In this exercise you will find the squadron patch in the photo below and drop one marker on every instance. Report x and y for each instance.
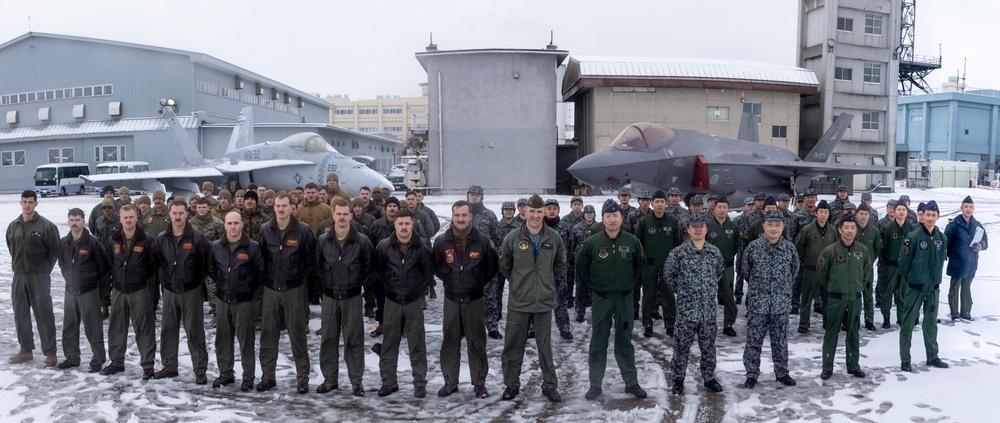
(523, 245)
(652, 231)
(449, 256)
(713, 235)
(841, 258)
(84, 252)
(895, 235)
(475, 254)
(292, 243)
(923, 244)
(137, 250)
(906, 249)
(815, 238)
(118, 249)
(188, 246)
(602, 253)
(242, 256)
(821, 262)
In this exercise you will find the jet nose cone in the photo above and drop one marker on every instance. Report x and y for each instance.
(595, 170)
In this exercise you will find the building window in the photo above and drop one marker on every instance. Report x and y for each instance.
(873, 73)
(61, 155)
(917, 118)
(343, 112)
(718, 113)
(873, 24)
(869, 121)
(779, 131)
(845, 24)
(843, 74)
(756, 109)
(368, 112)
(392, 111)
(109, 153)
(12, 158)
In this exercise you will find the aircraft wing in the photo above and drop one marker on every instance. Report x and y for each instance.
(248, 165)
(113, 178)
(829, 168)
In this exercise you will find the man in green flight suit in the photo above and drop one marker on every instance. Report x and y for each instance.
(843, 269)
(871, 236)
(810, 242)
(611, 262)
(921, 262)
(724, 234)
(893, 234)
(659, 233)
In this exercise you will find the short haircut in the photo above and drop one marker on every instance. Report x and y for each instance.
(29, 194)
(298, 189)
(76, 211)
(180, 203)
(404, 213)
(281, 195)
(340, 202)
(204, 201)
(364, 188)
(461, 203)
(418, 191)
(129, 207)
(411, 192)
(252, 186)
(312, 185)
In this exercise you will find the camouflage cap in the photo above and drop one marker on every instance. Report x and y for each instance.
(760, 196)
(575, 199)
(552, 202)
(784, 197)
(891, 203)
(699, 218)
(800, 198)
(810, 191)
(475, 189)
(674, 191)
(625, 191)
(866, 196)
(697, 200)
(522, 201)
(588, 209)
(850, 206)
(535, 202)
(507, 205)
(842, 187)
(747, 201)
(904, 197)
(644, 194)
(773, 215)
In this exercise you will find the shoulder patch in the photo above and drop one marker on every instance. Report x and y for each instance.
(822, 261)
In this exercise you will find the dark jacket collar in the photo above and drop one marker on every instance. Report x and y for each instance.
(84, 239)
(119, 236)
(352, 234)
(293, 223)
(414, 239)
(474, 234)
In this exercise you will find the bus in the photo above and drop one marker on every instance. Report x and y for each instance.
(60, 178)
(108, 168)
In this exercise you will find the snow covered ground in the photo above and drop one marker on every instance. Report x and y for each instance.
(31, 392)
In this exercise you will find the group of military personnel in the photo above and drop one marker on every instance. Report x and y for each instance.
(262, 258)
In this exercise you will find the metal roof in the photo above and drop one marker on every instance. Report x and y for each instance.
(102, 127)
(692, 68)
(312, 125)
(196, 57)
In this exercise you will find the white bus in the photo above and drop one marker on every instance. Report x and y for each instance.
(60, 178)
(108, 168)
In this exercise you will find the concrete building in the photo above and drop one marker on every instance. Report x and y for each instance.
(850, 45)
(956, 126)
(706, 95)
(492, 116)
(392, 116)
(74, 99)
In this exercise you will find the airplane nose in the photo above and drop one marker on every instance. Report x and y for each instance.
(595, 170)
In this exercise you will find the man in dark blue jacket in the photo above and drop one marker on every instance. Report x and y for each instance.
(966, 238)
(184, 263)
(404, 263)
(238, 270)
(83, 261)
(465, 260)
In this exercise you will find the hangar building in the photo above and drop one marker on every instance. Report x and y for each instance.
(957, 126)
(75, 99)
(706, 95)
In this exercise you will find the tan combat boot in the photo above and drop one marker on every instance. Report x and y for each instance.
(50, 360)
(21, 357)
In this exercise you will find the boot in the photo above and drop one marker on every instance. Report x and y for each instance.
(378, 331)
(21, 357)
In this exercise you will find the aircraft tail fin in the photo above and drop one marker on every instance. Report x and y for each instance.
(748, 128)
(243, 131)
(824, 147)
(184, 148)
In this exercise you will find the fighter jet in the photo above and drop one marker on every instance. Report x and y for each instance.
(651, 156)
(286, 164)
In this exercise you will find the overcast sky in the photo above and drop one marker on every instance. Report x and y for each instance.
(366, 48)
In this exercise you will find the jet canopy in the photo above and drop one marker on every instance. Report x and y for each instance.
(308, 142)
(643, 135)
